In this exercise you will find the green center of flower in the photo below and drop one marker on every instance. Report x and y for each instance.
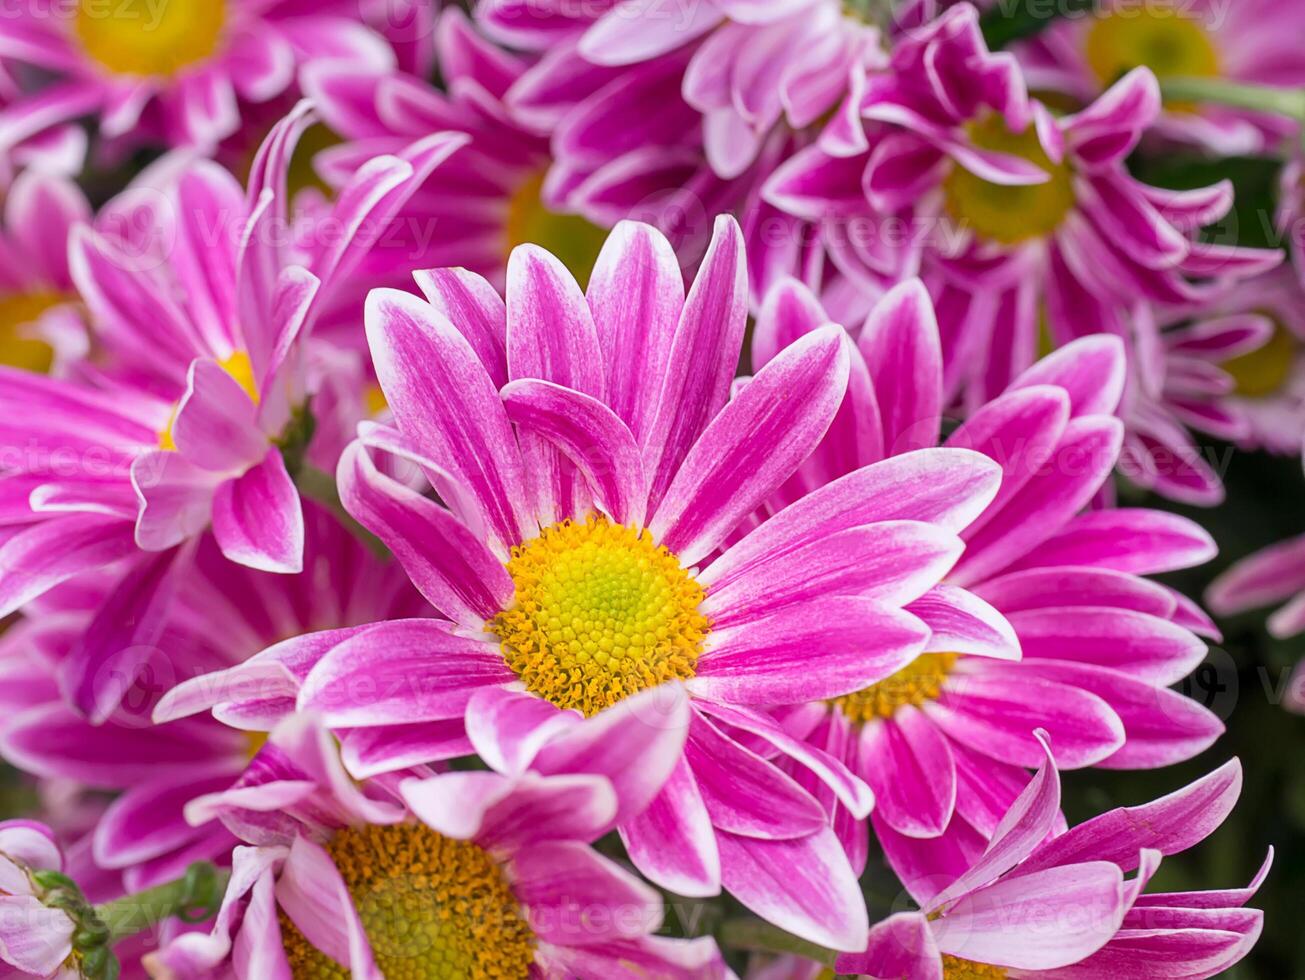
(1159, 35)
(149, 37)
(433, 909)
(955, 968)
(1006, 214)
(1263, 372)
(571, 238)
(917, 683)
(19, 347)
(599, 613)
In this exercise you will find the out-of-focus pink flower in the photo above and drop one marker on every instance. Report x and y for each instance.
(35, 940)
(1249, 41)
(174, 73)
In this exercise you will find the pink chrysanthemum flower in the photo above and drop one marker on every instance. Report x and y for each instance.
(1044, 622)
(40, 211)
(1023, 224)
(587, 548)
(1249, 41)
(1044, 905)
(222, 614)
(175, 72)
(476, 874)
(35, 940)
(749, 65)
(206, 314)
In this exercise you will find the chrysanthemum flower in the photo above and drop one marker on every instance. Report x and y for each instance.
(1038, 904)
(945, 742)
(1023, 224)
(208, 312)
(484, 874)
(40, 211)
(749, 65)
(35, 940)
(173, 72)
(1249, 41)
(222, 614)
(587, 548)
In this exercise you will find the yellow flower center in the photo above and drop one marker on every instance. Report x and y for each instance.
(1005, 214)
(18, 346)
(433, 909)
(1159, 35)
(149, 37)
(571, 238)
(955, 968)
(600, 612)
(239, 367)
(918, 682)
(1261, 373)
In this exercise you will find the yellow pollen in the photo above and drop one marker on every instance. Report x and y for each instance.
(600, 612)
(433, 909)
(374, 399)
(254, 742)
(1160, 35)
(955, 968)
(149, 38)
(571, 238)
(918, 682)
(19, 346)
(1261, 373)
(239, 367)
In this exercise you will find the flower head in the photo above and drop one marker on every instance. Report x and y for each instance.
(485, 873)
(36, 938)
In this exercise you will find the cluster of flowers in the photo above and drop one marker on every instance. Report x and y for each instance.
(669, 458)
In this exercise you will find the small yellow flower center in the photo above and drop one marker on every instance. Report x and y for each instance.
(955, 968)
(149, 37)
(254, 742)
(571, 238)
(239, 367)
(918, 682)
(1263, 372)
(600, 612)
(1005, 214)
(1159, 35)
(19, 346)
(433, 909)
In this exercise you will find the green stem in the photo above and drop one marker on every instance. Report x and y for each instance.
(194, 897)
(1261, 98)
(319, 486)
(756, 936)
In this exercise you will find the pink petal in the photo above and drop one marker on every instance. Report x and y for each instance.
(258, 520)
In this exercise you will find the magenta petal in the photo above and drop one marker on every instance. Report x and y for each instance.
(900, 946)
(175, 498)
(819, 649)
(901, 348)
(961, 622)
(473, 306)
(947, 487)
(400, 672)
(908, 763)
(805, 886)
(368, 752)
(673, 842)
(1268, 576)
(258, 520)
(316, 899)
(636, 293)
(448, 563)
(216, 426)
(1133, 540)
(1091, 370)
(592, 437)
(702, 359)
(37, 559)
(508, 727)
(753, 445)
(1170, 824)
